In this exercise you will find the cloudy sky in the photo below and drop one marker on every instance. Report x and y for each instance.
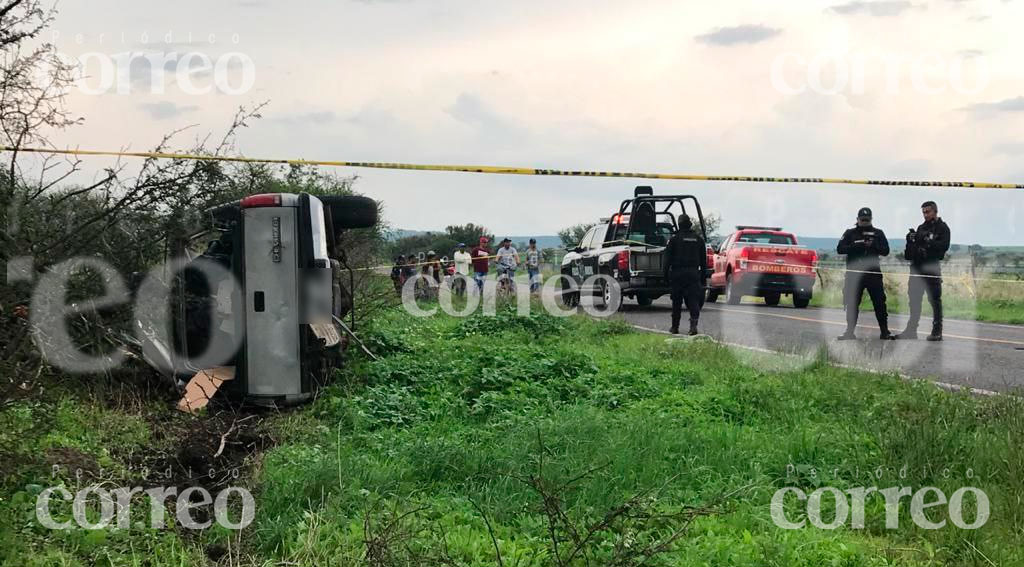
(866, 89)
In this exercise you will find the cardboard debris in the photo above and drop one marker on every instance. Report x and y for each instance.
(327, 332)
(201, 388)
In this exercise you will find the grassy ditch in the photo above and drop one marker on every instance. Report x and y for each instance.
(529, 437)
(504, 440)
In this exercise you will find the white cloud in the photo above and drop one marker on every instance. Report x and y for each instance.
(585, 84)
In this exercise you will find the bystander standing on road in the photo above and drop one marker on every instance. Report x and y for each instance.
(408, 268)
(462, 260)
(533, 265)
(398, 273)
(481, 262)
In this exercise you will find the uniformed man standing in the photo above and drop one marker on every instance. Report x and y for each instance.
(926, 247)
(685, 262)
(863, 245)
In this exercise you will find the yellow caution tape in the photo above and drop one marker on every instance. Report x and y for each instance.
(523, 170)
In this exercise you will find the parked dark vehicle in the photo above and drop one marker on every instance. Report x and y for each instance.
(283, 311)
(629, 248)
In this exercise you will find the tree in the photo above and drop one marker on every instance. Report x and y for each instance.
(32, 86)
(125, 219)
(468, 233)
(712, 223)
(572, 235)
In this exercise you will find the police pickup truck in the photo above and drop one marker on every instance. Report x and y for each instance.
(628, 249)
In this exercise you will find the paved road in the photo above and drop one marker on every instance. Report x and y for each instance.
(983, 356)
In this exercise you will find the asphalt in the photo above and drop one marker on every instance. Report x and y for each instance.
(986, 357)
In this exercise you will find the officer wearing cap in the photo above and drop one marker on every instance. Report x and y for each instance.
(926, 247)
(685, 261)
(863, 245)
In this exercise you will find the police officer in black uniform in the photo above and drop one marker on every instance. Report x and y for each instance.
(863, 245)
(685, 263)
(926, 247)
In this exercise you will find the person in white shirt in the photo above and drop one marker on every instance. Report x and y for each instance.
(462, 260)
(507, 258)
(533, 265)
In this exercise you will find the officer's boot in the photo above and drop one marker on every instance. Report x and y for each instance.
(936, 331)
(675, 324)
(693, 327)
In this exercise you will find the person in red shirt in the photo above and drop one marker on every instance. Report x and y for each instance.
(481, 262)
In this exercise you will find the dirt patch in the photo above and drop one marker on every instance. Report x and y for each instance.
(72, 463)
(216, 450)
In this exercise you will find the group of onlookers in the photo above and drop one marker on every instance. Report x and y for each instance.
(475, 263)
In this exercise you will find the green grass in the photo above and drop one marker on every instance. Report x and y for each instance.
(429, 452)
(455, 414)
(61, 438)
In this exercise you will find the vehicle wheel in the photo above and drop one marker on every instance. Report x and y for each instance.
(571, 299)
(608, 293)
(712, 295)
(801, 301)
(568, 299)
(351, 211)
(772, 299)
(644, 300)
(732, 295)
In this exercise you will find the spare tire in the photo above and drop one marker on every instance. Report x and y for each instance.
(351, 211)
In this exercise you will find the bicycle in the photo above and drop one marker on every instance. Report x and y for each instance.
(506, 281)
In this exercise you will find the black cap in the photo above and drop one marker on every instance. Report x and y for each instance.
(533, 241)
(685, 222)
(506, 240)
(864, 212)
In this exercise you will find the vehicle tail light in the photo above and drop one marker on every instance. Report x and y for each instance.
(623, 258)
(262, 200)
(744, 256)
(814, 260)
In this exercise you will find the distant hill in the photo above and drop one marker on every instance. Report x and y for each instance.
(543, 241)
(821, 243)
(397, 233)
(829, 244)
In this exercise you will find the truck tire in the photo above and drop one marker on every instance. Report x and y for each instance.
(644, 300)
(801, 301)
(772, 299)
(712, 295)
(351, 211)
(732, 295)
(570, 299)
(608, 293)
